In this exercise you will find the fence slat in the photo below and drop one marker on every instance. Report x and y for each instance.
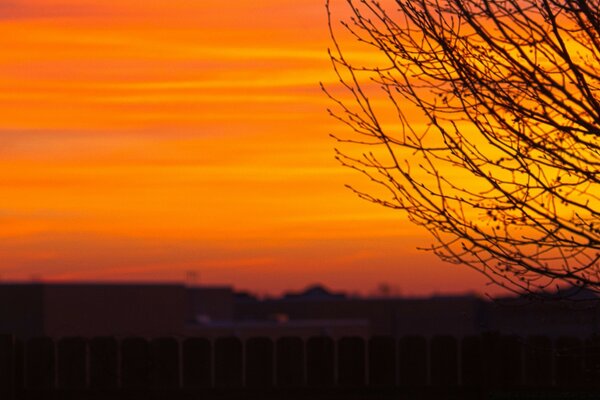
(568, 359)
(382, 361)
(8, 374)
(351, 362)
(228, 362)
(135, 363)
(471, 361)
(591, 370)
(197, 363)
(40, 364)
(289, 360)
(103, 363)
(412, 361)
(259, 362)
(320, 361)
(538, 361)
(444, 361)
(72, 363)
(165, 363)
(492, 367)
(511, 361)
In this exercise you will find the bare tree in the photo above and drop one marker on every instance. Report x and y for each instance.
(481, 120)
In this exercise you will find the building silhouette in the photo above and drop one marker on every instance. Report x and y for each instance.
(97, 309)
(152, 310)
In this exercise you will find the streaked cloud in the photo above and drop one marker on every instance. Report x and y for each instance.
(141, 139)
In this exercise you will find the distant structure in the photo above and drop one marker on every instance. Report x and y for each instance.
(314, 292)
(209, 304)
(98, 309)
(82, 309)
(191, 277)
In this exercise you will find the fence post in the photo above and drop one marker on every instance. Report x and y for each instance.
(382, 361)
(259, 363)
(289, 361)
(351, 362)
(8, 374)
(197, 363)
(72, 363)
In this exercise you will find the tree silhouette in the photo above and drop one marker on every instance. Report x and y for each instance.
(481, 120)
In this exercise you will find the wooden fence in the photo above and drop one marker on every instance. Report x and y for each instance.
(487, 366)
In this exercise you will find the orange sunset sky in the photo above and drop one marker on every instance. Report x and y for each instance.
(143, 139)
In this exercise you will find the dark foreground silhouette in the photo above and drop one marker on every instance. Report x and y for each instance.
(488, 366)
